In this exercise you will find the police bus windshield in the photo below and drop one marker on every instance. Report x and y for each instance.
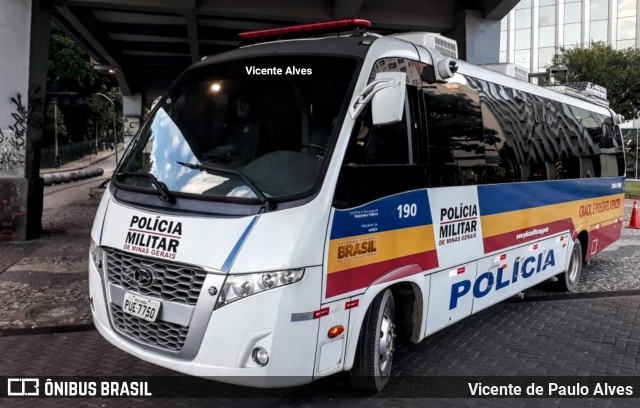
(243, 129)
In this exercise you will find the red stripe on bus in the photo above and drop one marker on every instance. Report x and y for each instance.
(606, 236)
(363, 276)
(508, 239)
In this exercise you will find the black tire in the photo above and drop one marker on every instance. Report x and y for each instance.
(568, 280)
(374, 355)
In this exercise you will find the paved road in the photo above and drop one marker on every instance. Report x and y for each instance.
(584, 336)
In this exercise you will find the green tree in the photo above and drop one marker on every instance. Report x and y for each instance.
(601, 64)
(72, 81)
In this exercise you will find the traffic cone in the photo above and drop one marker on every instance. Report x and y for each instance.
(634, 222)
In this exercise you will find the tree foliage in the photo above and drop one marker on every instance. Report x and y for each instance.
(72, 83)
(601, 64)
(68, 63)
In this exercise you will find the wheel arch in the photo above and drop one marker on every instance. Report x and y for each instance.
(583, 237)
(410, 304)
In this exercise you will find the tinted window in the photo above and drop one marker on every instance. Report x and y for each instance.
(456, 151)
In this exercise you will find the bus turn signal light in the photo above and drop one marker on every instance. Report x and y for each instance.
(335, 331)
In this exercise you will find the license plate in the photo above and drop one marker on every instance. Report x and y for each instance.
(140, 306)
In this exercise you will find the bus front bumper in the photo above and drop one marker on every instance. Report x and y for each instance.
(232, 332)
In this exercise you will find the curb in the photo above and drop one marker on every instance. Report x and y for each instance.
(42, 173)
(69, 176)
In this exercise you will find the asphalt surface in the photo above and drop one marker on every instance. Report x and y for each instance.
(583, 337)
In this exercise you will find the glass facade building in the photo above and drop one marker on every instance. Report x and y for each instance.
(535, 30)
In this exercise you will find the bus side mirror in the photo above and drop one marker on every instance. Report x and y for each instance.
(387, 105)
(388, 91)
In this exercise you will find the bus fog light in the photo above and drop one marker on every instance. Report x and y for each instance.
(260, 356)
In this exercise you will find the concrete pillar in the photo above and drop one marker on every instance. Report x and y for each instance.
(478, 38)
(24, 44)
(132, 110)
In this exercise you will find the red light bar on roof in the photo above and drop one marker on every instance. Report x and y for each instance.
(307, 28)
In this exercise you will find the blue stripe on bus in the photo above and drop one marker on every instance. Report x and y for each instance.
(228, 263)
(382, 215)
(500, 198)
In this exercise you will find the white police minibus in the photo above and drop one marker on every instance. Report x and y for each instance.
(290, 207)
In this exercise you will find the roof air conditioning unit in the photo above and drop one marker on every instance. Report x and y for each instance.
(445, 46)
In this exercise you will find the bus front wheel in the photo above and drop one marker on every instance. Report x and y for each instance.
(568, 281)
(374, 355)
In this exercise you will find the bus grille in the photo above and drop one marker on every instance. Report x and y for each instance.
(172, 282)
(169, 336)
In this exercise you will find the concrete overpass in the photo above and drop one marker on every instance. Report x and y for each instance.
(148, 43)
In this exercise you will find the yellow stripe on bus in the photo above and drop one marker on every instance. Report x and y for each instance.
(578, 211)
(362, 250)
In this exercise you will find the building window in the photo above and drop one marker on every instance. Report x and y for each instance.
(545, 56)
(626, 8)
(523, 18)
(503, 41)
(599, 9)
(572, 34)
(523, 4)
(547, 37)
(626, 44)
(598, 31)
(543, 3)
(547, 16)
(572, 12)
(626, 28)
(523, 58)
(523, 39)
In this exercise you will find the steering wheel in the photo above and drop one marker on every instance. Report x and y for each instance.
(313, 145)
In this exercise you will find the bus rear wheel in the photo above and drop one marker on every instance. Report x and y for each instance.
(376, 345)
(568, 281)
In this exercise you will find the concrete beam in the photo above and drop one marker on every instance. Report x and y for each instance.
(125, 37)
(235, 24)
(99, 41)
(109, 16)
(497, 9)
(347, 8)
(157, 6)
(192, 29)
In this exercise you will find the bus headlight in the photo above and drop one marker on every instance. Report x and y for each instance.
(240, 286)
(97, 255)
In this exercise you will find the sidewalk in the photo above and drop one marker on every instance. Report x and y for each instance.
(84, 162)
(43, 282)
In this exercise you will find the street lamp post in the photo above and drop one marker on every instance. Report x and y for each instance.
(115, 140)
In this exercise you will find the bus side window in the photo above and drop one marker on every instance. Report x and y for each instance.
(457, 153)
(378, 162)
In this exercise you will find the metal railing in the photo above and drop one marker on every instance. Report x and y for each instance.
(73, 152)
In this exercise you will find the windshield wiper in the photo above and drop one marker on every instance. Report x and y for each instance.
(266, 201)
(163, 191)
